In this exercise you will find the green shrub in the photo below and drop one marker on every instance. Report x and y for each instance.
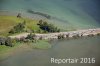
(18, 28)
(60, 36)
(47, 27)
(8, 42)
(31, 36)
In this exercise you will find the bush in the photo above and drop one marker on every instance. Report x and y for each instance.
(60, 36)
(31, 36)
(48, 27)
(2, 41)
(18, 28)
(8, 42)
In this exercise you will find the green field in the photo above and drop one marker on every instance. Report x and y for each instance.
(7, 23)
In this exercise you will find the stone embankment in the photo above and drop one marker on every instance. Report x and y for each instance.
(70, 34)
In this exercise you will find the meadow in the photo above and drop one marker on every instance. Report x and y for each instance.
(8, 22)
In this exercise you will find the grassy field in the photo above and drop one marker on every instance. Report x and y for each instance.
(7, 23)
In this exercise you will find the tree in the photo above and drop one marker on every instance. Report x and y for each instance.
(44, 26)
(18, 28)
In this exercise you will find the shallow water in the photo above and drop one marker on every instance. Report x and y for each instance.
(67, 14)
(75, 48)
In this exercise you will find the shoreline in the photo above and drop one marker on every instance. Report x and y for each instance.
(70, 34)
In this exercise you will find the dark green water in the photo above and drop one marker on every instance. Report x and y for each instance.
(75, 48)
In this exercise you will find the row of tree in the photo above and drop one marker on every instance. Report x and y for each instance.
(48, 27)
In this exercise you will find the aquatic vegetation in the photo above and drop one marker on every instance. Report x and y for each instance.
(39, 13)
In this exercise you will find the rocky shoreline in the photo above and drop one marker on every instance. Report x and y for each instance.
(70, 34)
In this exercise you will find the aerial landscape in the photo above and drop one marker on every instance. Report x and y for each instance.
(49, 33)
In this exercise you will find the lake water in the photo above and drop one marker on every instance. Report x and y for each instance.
(75, 48)
(68, 14)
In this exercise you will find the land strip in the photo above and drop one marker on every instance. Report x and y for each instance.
(70, 34)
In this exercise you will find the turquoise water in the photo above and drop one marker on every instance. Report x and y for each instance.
(68, 14)
(75, 48)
